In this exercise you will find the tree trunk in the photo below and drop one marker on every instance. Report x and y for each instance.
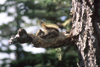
(84, 33)
(85, 25)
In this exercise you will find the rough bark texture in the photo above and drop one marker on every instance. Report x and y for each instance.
(85, 33)
(85, 27)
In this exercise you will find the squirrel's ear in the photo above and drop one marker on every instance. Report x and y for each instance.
(40, 32)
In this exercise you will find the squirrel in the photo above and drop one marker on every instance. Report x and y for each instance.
(40, 33)
(62, 25)
(50, 30)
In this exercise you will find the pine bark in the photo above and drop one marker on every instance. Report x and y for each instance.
(85, 33)
(86, 26)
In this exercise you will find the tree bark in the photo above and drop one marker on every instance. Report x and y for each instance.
(84, 33)
(85, 26)
(54, 42)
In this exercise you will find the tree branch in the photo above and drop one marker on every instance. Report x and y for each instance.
(62, 40)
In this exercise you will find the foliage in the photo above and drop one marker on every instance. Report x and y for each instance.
(50, 11)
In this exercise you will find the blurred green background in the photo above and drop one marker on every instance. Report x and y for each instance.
(15, 14)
